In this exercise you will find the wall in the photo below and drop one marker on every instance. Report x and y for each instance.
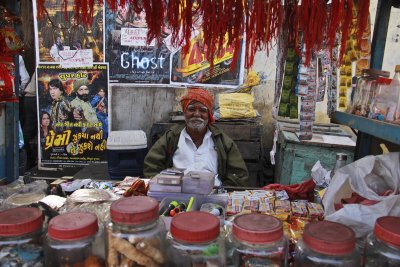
(2, 141)
(139, 107)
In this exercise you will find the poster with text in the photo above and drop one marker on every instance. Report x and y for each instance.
(131, 60)
(58, 32)
(194, 69)
(73, 108)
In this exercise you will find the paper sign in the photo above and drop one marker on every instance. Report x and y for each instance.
(76, 58)
(135, 37)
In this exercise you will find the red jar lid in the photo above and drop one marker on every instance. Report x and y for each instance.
(194, 227)
(257, 228)
(73, 226)
(19, 221)
(329, 238)
(387, 229)
(134, 210)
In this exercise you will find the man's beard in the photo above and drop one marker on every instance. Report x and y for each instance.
(196, 124)
(84, 97)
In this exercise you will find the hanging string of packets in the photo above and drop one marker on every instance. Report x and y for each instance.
(288, 106)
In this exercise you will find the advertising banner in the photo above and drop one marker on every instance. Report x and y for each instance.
(59, 31)
(131, 60)
(73, 115)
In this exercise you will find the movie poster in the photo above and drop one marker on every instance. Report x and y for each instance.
(130, 59)
(73, 108)
(57, 33)
(194, 68)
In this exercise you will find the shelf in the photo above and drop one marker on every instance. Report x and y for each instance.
(387, 131)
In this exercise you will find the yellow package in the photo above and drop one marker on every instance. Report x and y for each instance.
(236, 106)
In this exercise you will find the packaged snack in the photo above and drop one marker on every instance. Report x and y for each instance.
(266, 206)
(282, 206)
(315, 210)
(299, 209)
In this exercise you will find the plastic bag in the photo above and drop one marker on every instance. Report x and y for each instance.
(236, 106)
(369, 177)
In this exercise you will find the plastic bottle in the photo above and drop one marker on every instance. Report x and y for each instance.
(327, 244)
(195, 240)
(74, 239)
(21, 232)
(383, 244)
(393, 96)
(396, 118)
(257, 240)
(136, 235)
(341, 159)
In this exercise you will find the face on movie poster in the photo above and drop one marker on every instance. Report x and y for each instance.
(56, 33)
(131, 59)
(73, 110)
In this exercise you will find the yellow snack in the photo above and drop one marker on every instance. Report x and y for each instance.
(151, 252)
(112, 254)
(124, 247)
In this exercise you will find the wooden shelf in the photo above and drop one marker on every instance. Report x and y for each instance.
(387, 131)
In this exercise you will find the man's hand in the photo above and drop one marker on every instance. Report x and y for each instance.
(77, 115)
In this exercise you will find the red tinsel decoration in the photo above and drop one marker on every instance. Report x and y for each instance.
(362, 18)
(225, 22)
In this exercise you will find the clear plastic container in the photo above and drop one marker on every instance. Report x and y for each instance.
(364, 92)
(21, 232)
(382, 247)
(136, 234)
(195, 240)
(327, 244)
(396, 87)
(257, 240)
(74, 239)
(379, 104)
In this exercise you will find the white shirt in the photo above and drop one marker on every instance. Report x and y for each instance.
(191, 158)
(23, 73)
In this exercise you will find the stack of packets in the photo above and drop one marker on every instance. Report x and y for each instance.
(294, 214)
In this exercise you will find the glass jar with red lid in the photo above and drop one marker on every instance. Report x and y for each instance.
(136, 235)
(195, 240)
(74, 239)
(327, 244)
(257, 240)
(21, 231)
(383, 244)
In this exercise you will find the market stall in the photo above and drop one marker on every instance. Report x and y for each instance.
(107, 196)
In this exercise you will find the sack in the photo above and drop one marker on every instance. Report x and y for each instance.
(6, 83)
(236, 106)
(369, 177)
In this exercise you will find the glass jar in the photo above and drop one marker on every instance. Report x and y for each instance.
(74, 239)
(383, 244)
(327, 244)
(21, 232)
(257, 240)
(195, 240)
(136, 234)
(364, 92)
(379, 105)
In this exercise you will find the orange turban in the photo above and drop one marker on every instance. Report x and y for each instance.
(201, 96)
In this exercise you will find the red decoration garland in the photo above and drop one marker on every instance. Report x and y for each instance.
(225, 22)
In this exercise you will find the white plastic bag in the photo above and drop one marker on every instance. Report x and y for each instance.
(368, 177)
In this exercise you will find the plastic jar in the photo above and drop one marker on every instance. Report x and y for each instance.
(195, 240)
(364, 92)
(327, 244)
(383, 244)
(257, 240)
(21, 232)
(73, 239)
(136, 233)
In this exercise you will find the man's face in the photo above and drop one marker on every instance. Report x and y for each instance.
(83, 93)
(73, 22)
(102, 93)
(55, 92)
(196, 116)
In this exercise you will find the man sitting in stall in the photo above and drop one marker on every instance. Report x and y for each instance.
(198, 145)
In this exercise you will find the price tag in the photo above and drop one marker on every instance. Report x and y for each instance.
(135, 37)
(76, 58)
